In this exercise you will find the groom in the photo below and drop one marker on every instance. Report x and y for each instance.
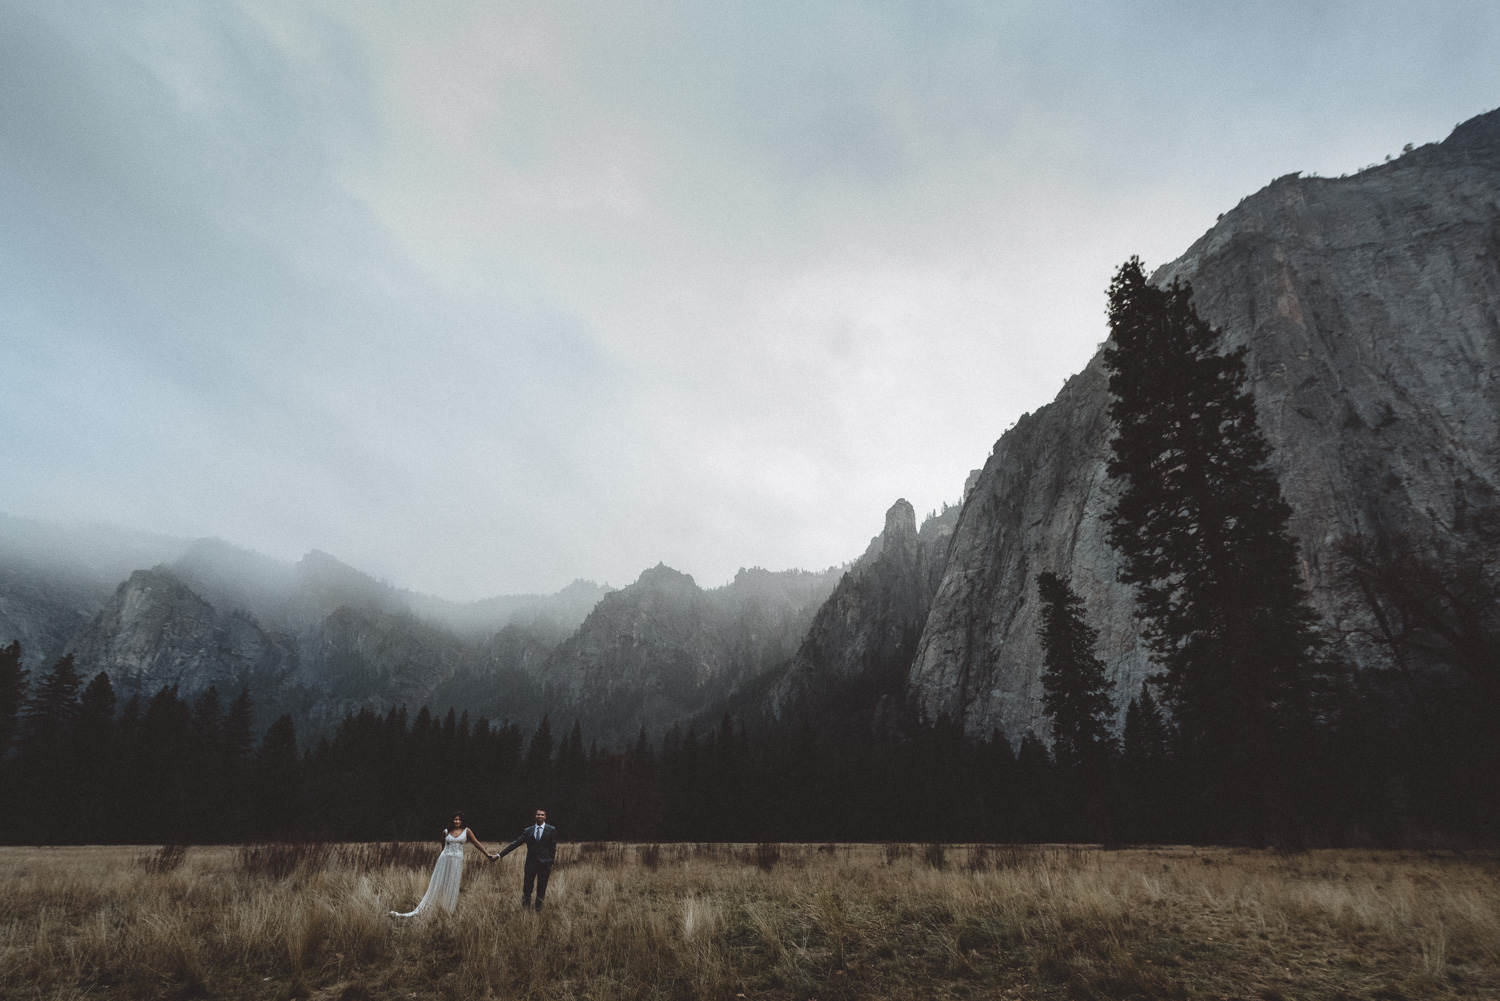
(540, 840)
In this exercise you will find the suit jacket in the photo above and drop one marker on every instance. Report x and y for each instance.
(541, 851)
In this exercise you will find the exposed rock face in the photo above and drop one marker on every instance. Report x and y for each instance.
(315, 638)
(663, 649)
(54, 579)
(1369, 306)
(155, 631)
(862, 639)
(42, 613)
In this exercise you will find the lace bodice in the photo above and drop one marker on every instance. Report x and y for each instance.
(454, 845)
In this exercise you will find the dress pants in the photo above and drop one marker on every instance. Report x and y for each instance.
(538, 873)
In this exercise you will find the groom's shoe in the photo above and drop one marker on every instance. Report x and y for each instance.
(525, 903)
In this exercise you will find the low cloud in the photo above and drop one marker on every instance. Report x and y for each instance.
(485, 297)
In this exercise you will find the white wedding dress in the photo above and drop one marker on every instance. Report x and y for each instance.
(442, 889)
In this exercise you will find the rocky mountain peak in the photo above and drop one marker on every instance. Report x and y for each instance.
(900, 522)
(1479, 135)
(663, 578)
(860, 644)
(156, 630)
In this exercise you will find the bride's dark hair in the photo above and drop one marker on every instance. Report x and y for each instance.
(460, 815)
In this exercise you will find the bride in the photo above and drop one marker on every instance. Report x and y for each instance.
(449, 872)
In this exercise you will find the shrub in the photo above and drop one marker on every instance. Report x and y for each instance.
(766, 855)
(394, 855)
(167, 858)
(280, 859)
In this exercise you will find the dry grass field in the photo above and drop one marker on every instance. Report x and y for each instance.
(786, 922)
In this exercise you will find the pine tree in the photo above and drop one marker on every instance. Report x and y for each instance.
(538, 767)
(997, 785)
(96, 716)
(1202, 528)
(279, 779)
(208, 723)
(568, 789)
(1143, 764)
(95, 759)
(1034, 772)
(47, 723)
(12, 694)
(238, 735)
(1145, 731)
(163, 753)
(1075, 689)
(278, 748)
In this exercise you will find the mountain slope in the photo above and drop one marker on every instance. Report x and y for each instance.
(663, 649)
(1369, 308)
(860, 643)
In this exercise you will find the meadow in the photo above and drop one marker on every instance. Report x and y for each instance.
(754, 921)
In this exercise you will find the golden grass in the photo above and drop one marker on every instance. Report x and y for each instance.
(798, 922)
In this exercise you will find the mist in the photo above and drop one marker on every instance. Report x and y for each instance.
(485, 298)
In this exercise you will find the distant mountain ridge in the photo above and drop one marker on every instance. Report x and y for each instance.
(319, 639)
(663, 649)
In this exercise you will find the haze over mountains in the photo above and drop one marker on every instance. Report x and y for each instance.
(1370, 307)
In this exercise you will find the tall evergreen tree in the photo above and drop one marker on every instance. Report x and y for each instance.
(50, 711)
(45, 758)
(1034, 772)
(279, 779)
(538, 766)
(12, 694)
(997, 786)
(238, 735)
(1202, 528)
(571, 763)
(95, 755)
(96, 717)
(164, 754)
(1145, 732)
(1143, 766)
(1075, 689)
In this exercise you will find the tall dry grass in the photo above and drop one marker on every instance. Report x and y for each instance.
(772, 921)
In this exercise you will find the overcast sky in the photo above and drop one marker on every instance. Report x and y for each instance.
(483, 297)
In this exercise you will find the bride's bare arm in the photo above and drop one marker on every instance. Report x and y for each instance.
(475, 838)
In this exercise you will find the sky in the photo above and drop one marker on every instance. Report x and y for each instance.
(485, 297)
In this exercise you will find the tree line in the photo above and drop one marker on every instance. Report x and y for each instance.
(1252, 730)
(173, 770)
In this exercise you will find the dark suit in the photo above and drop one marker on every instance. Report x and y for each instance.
(540, 854)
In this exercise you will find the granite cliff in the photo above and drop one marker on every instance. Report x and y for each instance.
(1370, 307)
(853, 660)
(662, 650)
(155, 630)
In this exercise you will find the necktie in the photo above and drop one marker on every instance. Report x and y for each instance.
(539, 832)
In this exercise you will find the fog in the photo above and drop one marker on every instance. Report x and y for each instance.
(485, 297)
